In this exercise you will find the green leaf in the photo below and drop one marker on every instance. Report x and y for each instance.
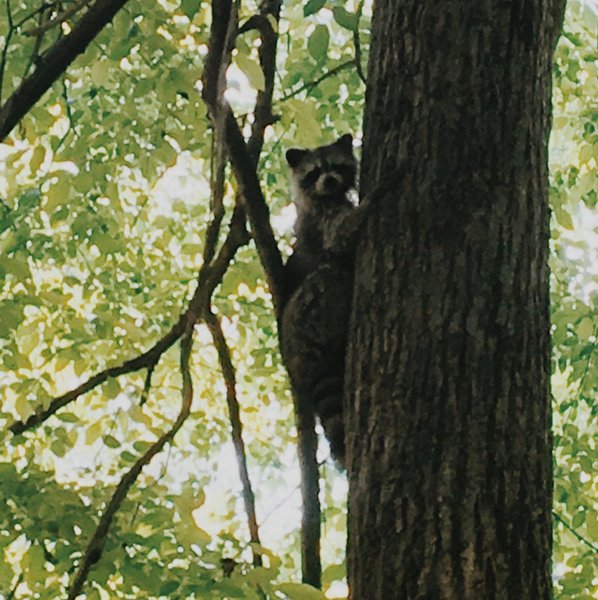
(300, 591)
(317, 44)
(252, 71)
(142, 446)
(58, 448)
(563, 218)
(168, 588)
(585, 328)
(68, 417)
(111, 441)
(313, 6)
(578, 519)
(345, 19)
(37, 158)
(190, 8)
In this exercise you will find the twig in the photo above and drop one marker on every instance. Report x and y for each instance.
(280, 503)
(234, 412)
(52, 63)
(63, 16)
(310, 85)
(42, 7)
(69, 115)
(217, 177)
(357, 43)
(578, 535)
(41, 20)
(97, 543)
(11, 29)
(243, 163)
(148, 383)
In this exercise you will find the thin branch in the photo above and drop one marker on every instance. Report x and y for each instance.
(243, 160)
(52, 63)
(11, 29)
(357, 43)
(57, 20)
(97, 543)
(140, 362)
(578, 535)
(234, 412)
(148, 384)
(44, 15)
(262, 114)
(310, 85)
(257, 211)
(71, 127)
(217, 177)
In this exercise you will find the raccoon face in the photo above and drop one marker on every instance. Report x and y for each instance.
(325, 171)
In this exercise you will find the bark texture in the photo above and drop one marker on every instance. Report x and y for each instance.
(447, 387)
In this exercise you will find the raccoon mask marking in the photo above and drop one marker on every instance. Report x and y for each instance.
(324, 173)
(322, 180)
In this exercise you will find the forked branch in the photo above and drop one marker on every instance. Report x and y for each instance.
(243, 159)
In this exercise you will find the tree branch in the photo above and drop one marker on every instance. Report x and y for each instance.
(228, 373)
(142, 361)
(310, 85)
(61, 18)
(11, 29)
(243, 156)
(52, 63)
(357, 44)
(578, 535)
(217, 177)
(97, 543)
(244, 159)
(257, 211)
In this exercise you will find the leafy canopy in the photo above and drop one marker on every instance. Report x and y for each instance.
(105, 203)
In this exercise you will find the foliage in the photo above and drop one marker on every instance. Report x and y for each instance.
(574, 152)
(105, 203)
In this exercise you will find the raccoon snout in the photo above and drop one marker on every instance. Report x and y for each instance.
(328, 183)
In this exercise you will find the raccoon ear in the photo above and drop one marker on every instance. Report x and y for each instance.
(345, 142)
(294, 156)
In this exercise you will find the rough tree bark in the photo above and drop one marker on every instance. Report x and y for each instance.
(447, 389)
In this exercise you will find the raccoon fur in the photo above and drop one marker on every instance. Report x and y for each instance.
(315, 319)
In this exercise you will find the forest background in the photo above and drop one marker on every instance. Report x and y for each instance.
(106, 219)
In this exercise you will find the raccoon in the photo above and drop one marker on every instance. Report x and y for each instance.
(322, 181)
(315, 319)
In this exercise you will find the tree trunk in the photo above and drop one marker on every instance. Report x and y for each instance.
(447, 397)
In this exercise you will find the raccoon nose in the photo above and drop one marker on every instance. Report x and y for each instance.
(330, 182)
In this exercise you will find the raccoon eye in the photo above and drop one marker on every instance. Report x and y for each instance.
(311, 177)
(345, 170)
